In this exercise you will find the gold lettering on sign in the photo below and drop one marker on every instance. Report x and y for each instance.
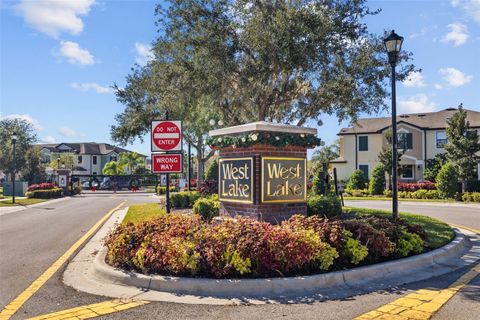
(235, 179)
(283, 179)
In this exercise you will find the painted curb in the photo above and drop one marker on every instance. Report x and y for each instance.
(275, 287)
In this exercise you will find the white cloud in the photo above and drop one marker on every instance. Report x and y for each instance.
(55, 16)
(470, 7)
(34, 122)
(91, 86)
(48, 139)
(75, 54)
(67, 132)
(144, 53)
(422, 32)
(458, 34)
(414, 79)
(438, 86)
(454, 77)
(416, 104)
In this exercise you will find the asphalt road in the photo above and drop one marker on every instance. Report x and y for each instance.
(31, 240)
(458, 213)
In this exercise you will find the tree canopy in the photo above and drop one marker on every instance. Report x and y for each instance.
(243, 61)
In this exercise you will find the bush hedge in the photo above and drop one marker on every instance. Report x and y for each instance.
(45, 194)
(163, 190)
(377, 182)
(326, 206)
(357, 180)
(184, 199)
(416, 186)
(41, 186)
(447, 180)
(177, 244)
(207, 208)
(471, 196)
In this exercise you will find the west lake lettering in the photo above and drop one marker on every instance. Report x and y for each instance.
(235, 179)
(283, 179)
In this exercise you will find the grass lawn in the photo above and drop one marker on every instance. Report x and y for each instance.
(400, 199)
(438, 233)
(21, 202)
(142, 212)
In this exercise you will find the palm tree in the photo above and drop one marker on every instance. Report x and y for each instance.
(131, 160)
(113, 168)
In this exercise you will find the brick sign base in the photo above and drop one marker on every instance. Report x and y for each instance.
(269, 212)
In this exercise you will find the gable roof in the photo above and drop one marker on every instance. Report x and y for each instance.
(85, 148)
(427, 121)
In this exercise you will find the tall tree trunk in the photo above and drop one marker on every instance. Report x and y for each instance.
(201, 166)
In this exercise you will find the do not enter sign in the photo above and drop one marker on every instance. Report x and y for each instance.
(166, 135)
(167, 163)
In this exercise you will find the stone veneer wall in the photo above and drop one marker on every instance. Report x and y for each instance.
(269, 212)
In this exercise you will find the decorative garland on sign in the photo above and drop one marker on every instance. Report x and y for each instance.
(274, 139)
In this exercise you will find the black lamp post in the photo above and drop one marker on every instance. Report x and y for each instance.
(14, 142)
(393, 45)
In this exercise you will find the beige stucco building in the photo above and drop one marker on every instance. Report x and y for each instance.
(422, 133)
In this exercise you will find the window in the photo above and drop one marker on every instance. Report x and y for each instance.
(363, 143)
(94, 159)
(364, 168)
(113, 158)
(407, 171)
(441, 138)
(79, 159)
(405, 141)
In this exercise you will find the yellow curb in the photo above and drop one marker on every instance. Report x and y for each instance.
(17, 303)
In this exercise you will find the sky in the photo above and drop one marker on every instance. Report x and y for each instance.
(59, 59)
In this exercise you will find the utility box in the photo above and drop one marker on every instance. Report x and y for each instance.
(20, 188)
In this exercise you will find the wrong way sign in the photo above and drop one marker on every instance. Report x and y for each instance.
(166, 135)
(167, 163)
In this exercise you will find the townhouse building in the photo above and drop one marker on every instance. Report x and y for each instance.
(89, 157)
(421, 135)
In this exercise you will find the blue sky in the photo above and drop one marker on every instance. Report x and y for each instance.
(59, 58)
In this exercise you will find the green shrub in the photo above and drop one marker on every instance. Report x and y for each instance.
(207, 208)
(212, 171)
(355, 251)
(471, 197)
(447, 180)
(327, 206)
(409, 243)
(46, 194)
(357, 192)
(357, 180)
(377, 181)
(184, 199)
(387, 193)
(29, 194)
(163, 190)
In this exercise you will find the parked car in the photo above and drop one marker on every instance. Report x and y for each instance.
(119, 182)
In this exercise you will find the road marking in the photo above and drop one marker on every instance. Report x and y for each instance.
(17, 303)
(463, 227)
(424, 303)
(92, 310)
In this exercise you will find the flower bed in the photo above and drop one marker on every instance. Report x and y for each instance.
(416, 186)
(41, 186)
(187, 245)
(45, 194)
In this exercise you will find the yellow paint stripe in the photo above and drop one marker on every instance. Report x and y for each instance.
(92, 310)
(463, 227)
(421, 304)
(17, 303)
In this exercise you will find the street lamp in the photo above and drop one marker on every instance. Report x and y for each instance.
(14, 142)
(393, 45)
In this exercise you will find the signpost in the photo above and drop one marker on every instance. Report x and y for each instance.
(166, 136)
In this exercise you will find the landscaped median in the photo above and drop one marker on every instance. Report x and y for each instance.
(181, 253)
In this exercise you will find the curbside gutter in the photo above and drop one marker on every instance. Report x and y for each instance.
(399, 271)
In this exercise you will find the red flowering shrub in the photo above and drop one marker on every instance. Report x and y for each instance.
(178, 244)
(41, 186)
(416, 186)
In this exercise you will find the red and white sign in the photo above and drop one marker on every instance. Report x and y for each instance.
(166, 135)
(167, 163)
